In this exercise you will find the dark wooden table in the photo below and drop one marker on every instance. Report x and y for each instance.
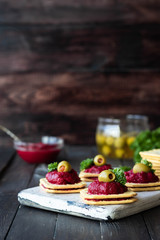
(21, 222)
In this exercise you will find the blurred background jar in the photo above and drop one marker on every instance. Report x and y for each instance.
(114, 136)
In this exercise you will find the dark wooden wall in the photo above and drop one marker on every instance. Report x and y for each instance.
(65, 63)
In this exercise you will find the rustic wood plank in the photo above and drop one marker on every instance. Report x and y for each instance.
(75, 154)
(73, 102)
(99, 91)
(132, 227)
(9, 205)
(15, 178)
(69, 227)
(128, 162)
(79, 48)
(57, 12)
(6, 155)
(32, 223)
(152, 220)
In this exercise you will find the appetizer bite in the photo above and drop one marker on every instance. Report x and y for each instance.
(142, 177)
(90, 168)
(152, 156)
(61, 178)
(108, 189)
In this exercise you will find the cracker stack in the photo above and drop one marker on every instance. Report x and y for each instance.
(57, 188)
(110, 199)
(153, 156)
(88, 177)
(141, 187)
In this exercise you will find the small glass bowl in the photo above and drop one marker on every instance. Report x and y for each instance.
(42, 150)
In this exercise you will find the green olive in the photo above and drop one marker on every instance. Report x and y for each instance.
(99, 160)
(106, 176)
(140, 167)
(64, 166)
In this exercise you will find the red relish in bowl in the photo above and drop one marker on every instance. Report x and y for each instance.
(44, 151)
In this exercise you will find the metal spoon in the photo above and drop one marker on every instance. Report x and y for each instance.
(8, 132)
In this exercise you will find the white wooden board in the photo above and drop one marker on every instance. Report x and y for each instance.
(73, 205)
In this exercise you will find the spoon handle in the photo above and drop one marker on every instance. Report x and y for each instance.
(7, 131)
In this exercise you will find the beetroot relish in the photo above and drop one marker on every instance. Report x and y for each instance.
(56, 177)
(98, 169)
(141, 177)
(106, 188)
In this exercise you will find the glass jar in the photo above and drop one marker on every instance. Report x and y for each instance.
(114, 136)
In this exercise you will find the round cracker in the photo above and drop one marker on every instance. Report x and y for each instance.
(87, 179)
(157, 162)
(64, 186)
(143, 189)
(131, 200)
(60, 190)
(86, 174)
(128, 184)
(154, 153)
(154, 166)
(127, 194)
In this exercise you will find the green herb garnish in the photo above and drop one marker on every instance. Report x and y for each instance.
(86, 163)
(125, 168)
(52, 166)
(146, 140)
(120, 176)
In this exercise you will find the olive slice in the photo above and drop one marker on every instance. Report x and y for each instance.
(140, 167)
(64, 166)
(106, 176)
(99, 160)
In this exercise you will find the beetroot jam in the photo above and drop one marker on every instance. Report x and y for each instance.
(97, 169)
(141, 177)
(38, 152)
(62, 178)
(106, 188)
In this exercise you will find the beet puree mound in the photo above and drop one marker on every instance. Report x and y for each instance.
(63, 177)
(141, 177)
(97, 169)
(106, 188)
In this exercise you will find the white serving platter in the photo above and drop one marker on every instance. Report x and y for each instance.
(72, 204)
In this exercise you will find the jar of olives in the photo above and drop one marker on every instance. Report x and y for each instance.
(114, 136)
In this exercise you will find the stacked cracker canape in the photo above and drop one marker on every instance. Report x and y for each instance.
(61, 178)
(109, 189)
(90, 168)
(142, 177)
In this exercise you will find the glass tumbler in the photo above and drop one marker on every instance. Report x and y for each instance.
(115, 135)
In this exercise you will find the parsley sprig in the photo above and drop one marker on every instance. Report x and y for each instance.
(86, 163)
(52, 166)
(120, 176)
